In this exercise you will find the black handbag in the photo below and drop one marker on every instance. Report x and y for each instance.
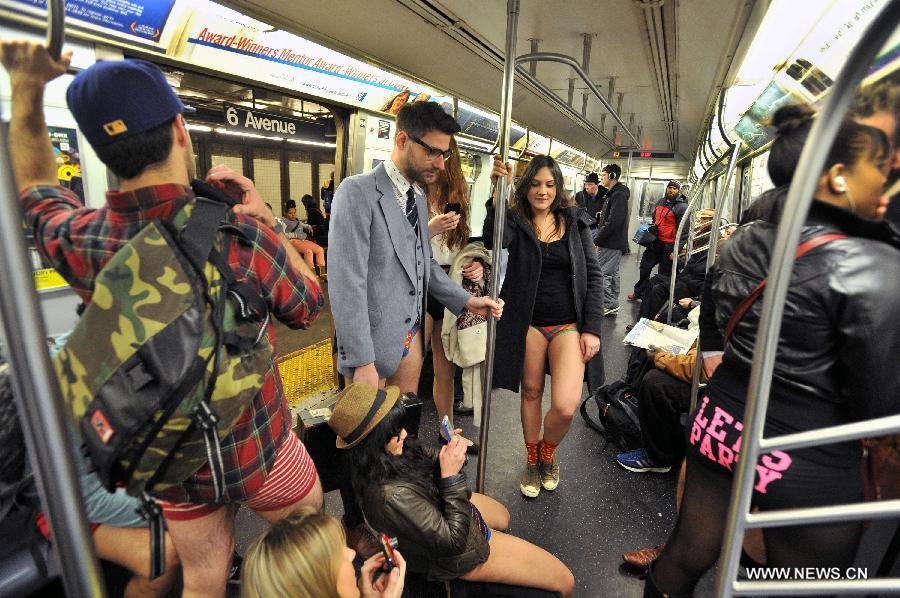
(646, 234)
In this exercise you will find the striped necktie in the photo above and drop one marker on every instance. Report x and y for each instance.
(412, 213)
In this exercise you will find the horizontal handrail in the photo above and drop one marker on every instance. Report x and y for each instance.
(871, 428)
(882, 585)
(879, 509)
(565, 59)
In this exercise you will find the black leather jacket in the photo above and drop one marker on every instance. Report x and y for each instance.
(432, 522)
(840, 335)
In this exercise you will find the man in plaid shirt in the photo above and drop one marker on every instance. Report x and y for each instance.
(133, 120)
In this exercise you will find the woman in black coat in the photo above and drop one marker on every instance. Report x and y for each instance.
(836, 360)
(553, 294)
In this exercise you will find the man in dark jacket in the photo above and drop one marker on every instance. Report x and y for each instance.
(667, 215)
(612, 235)
(590, 199)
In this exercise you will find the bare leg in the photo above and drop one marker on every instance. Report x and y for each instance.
(129, 547)
(566, 381)
(516, 562)
(315, 498)
(443, 375)
(493, 511)
(407, 375)
(204, 546)
(533, 384)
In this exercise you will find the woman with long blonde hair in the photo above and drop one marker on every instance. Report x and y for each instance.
(305, 556)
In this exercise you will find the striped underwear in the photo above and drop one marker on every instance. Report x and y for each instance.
(551, 332)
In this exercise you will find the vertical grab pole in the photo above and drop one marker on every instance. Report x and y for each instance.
(38, 399)
(710, 259)
(700, 188)
(501, 195)
(628, 168)
(800, 196)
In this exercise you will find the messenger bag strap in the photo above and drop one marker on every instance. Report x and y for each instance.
(199, 233)
(750, 299)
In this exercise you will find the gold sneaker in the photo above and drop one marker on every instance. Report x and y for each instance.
(530, 484)
(549, 474)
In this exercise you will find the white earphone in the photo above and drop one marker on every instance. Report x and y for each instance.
(840, 185)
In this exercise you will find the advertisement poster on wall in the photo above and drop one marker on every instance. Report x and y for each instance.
(218, 38)
(134, 19)
(68, 161)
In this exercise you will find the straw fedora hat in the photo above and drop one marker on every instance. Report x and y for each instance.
(358, 410)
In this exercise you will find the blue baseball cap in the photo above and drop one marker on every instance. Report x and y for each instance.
(115, 99)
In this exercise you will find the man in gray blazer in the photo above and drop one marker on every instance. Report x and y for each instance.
(380, 268)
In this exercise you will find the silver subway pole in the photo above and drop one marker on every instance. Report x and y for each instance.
(38, 399)
(700, 188)
(799, 198)
(500, 200)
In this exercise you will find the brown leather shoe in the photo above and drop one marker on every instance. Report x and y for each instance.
(641, 559)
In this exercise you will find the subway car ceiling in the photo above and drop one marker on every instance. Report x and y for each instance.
(658, 62)
(661, 66)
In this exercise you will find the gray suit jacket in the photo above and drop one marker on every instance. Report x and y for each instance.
(372, 273)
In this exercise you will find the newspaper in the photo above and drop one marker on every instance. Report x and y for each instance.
(668, 338)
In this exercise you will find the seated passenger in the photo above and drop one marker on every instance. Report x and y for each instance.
(688, 282)
(297, 231)
(406, 490)
(317, 219)
(839, 293)
(120, 534)
(664, 396)
(305, 556)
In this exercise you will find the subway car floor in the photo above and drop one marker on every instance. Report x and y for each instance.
(599, 509)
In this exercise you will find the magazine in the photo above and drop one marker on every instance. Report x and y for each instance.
(668, 338)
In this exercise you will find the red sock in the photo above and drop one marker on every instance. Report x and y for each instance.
(547, 450)
(532, 448)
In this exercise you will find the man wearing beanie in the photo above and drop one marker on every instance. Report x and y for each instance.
(134, 121)
(590, 199)
(667, 215)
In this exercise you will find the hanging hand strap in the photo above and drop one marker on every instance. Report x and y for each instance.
(750, 299)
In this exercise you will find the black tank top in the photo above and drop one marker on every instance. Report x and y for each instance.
(555, 301)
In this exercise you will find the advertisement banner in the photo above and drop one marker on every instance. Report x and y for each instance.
(68, 160)
(221, 39)
(142, 19)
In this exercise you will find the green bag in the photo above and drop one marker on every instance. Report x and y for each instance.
(167, 355)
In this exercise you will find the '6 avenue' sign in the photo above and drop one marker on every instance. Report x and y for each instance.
(242, 119)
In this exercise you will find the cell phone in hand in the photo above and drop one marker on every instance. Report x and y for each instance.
(388, 545)
(446, 432)
(453, 207)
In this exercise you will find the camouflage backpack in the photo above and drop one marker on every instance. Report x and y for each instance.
(167, 355)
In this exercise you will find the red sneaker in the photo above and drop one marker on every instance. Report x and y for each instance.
(634, 297)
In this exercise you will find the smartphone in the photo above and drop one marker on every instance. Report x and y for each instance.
(388, 545)
(453, 207)
(446, 432)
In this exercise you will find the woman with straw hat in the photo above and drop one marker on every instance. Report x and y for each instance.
(407, 490)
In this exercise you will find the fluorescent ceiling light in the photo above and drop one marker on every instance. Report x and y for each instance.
(203, 128)
(316, 143)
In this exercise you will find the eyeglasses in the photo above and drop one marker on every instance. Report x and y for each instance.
(433, 152)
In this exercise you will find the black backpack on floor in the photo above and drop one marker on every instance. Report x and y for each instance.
(617, 419)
